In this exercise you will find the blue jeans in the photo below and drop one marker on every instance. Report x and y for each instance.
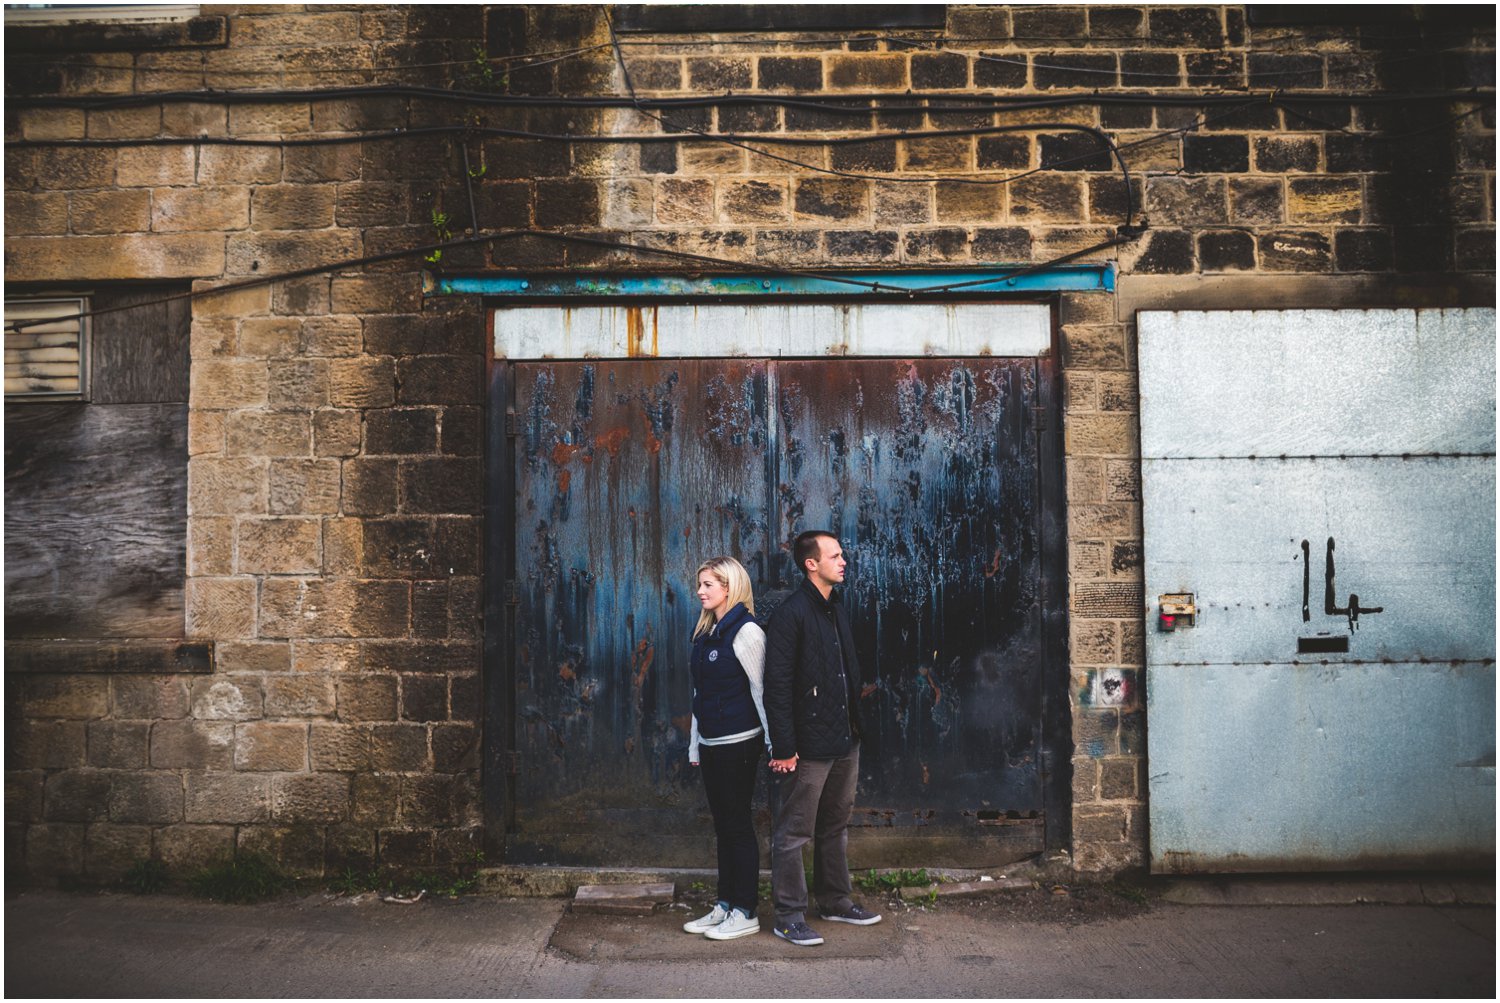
(729, 773)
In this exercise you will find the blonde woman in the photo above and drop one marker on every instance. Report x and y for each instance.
(729, 737)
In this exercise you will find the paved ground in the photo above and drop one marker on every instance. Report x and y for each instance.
(1044, 945)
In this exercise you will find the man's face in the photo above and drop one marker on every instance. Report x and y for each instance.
(829, 567)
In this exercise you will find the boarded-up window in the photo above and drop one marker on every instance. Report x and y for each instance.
(46, 349)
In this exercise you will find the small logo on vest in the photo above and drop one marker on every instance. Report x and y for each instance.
(713, 656)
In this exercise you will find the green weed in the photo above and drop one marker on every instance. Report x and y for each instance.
(249, 877)
(875, 882)
(146, 876)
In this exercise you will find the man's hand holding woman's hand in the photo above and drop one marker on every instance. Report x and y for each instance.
(784, 765)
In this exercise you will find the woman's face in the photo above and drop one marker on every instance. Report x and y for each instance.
(713, 594)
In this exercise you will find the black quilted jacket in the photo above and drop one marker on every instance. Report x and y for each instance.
(808, 699)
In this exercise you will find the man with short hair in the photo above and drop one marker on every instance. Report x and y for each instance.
(812, 689)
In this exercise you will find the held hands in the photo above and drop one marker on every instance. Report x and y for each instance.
(784, 765)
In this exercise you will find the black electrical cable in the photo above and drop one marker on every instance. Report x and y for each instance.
(830, 104)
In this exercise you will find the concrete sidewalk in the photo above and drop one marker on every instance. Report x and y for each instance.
(1050, 944)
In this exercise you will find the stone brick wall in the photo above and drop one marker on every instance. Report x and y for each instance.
(334, 536)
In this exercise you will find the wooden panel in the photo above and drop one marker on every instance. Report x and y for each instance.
(95, 520)
(140, 356)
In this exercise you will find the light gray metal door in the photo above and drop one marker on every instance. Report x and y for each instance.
(1323, 484)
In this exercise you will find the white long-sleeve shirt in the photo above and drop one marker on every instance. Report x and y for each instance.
(750, 648)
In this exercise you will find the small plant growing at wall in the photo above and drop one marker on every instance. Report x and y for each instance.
(246, 878)
(444, 233)
(146, 876)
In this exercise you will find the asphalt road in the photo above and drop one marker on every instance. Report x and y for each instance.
(110, 945)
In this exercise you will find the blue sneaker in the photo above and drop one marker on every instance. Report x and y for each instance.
(797, 933)
(856, 914)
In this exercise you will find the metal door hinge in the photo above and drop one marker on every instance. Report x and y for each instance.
(511, 428)
(512, 592)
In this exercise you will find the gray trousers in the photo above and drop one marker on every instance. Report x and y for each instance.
(816, 800)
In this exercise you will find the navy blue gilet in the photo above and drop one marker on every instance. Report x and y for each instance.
(721, 692)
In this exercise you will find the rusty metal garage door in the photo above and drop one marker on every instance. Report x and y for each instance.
(627, 473)
(1323, 484)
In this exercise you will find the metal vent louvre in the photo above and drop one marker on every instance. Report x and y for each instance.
(47, 356)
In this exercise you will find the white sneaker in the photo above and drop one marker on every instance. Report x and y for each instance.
(736, 924)
(703, 924)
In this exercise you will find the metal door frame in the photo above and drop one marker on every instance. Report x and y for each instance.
(500, 759)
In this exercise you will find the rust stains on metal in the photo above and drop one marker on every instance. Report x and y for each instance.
(563, 453)
(683, 723)
(640, 662)
(635, 333)
(653, 444)
(994, 565)
(613, 439)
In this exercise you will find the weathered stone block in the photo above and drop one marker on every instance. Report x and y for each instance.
(150, 697)
(1161, 252)
(109, 851)
(958, 203)
(339, 748)
(226, 698)
(1101, 434)
(272, 251)
(1117, 779)
(310, 798)
(360, 294)
(1098, 825)
(455, 747)
(269, 433)
(1085, 480)
(401, 430)
(399, 748)
(326, 656)
(367, 698)
(1295, 251)
(298, 383)
(441, 379)
(938, 244)
(40, 214)
(185, 848)
(1226, 250)
(405, 848)
(426, 800)
(119, 211)
(205, 208)
(1046, 197)
(192, 745)
(146, 797)
(270, 745)
(50, 745)
(51, 123)
(362, 382)
(292, 207)
(754, 201)
(862, 246)
(77, 697)
(1096, 733)
(336, 432)
(370, 487)
(1108, 520)
(206, 432)
(299, 696)
(1122, 480)
(210, 546)
(1324, 200)
(938, 154)
(229, 383)
(119, 745)
(337, 336)
(465, 697)
(1184, 200)
(220, 608)
(235, 798)
(863, 71)
(225, 486)
(375, 799)
(142, 256)
(440, 486)
(309, 487)
(1085, 780)
(279, 546)
(54, 850)
(684, 202)
(335, 608)
(226, 165)
(1094, 642)
(424, 698)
